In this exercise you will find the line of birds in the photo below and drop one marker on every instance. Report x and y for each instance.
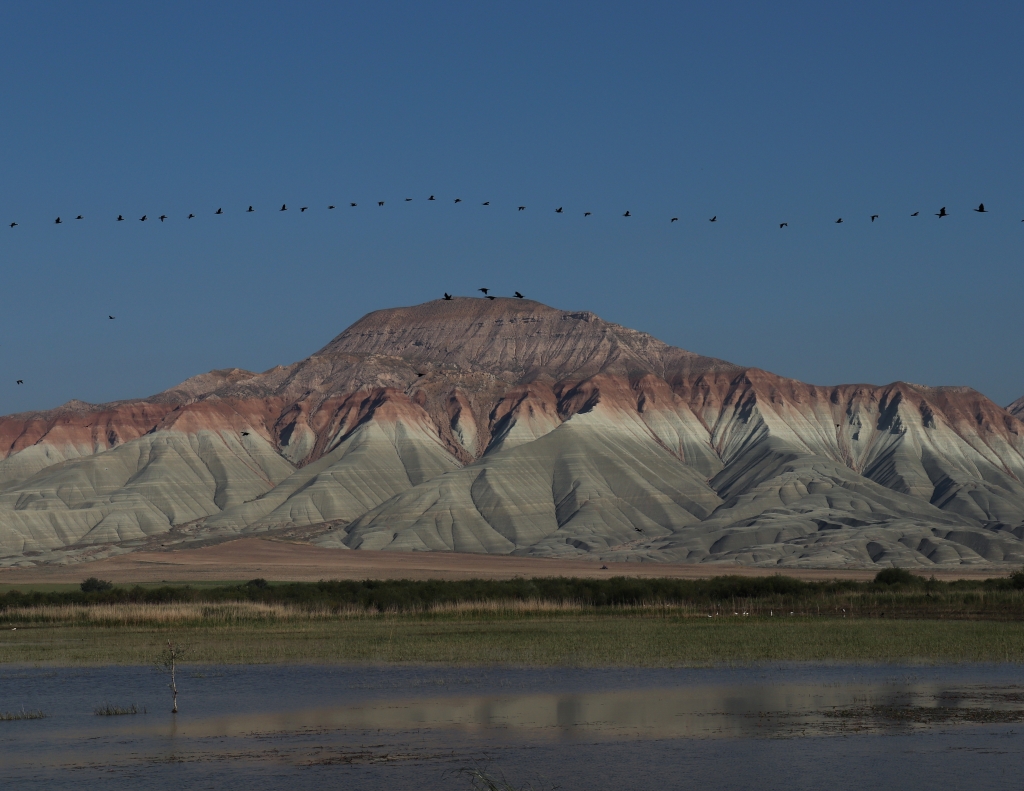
(560, 210)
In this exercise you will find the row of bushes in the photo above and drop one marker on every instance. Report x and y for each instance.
(418, 595)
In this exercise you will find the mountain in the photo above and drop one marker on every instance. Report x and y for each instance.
(1017, 407)
(507, 426)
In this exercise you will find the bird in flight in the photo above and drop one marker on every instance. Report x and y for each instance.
(490, 297)
(79, 217)
(447, 295)
(120, 218)
(353, 204)
(586, 214)
(486, 203)
(250, 209)
(380, 203)
(408, 199)
(518, 295)
(57, 221)
(189, 217)
(981, 208)
(942, 212)
(245, 433)
(627, 214)
(110, 317)
(714, 219)
(915, 214)
(674, 219)
(485, 290)
(303, 208)
(143, 218)
(219, 211)
(458, 200)
(330, 207)
(558, 210)
(20, 382)
(783, 224)
(430, 198)
(522, 208)
(839, 220)
(874, 217)
(284, 207)
(163, 217)
(14, 225)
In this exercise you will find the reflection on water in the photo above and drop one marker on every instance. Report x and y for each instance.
(373, 725)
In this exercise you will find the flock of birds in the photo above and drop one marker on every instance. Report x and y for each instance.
(560, 210)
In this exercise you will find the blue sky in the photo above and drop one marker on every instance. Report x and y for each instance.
(757, 113)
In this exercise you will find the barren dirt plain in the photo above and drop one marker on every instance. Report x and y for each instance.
(249, 558)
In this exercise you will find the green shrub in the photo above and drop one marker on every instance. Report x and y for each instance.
(1017, 579)
(94, 585)
(896, 576)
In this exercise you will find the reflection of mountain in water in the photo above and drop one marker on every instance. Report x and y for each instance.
(507, 426)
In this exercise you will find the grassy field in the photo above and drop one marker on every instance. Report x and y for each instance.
(539, 636)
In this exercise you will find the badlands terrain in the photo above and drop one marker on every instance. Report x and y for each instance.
(509, 427)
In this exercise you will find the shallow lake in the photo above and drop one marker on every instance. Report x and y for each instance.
(791, 726)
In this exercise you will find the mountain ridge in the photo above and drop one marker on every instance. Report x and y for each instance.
(509, 426)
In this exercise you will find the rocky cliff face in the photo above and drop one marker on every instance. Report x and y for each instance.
(508, 426)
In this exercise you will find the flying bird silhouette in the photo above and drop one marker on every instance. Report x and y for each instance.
(57, 221)
(485, 290)
(250, 209)
(120, 218)
(284, 207)
(518, 295)
(408, 199)
(586, 214)
(839, 220)
(20, 382)
(942, 212)
(245, 433)
(189, 217)
(981, 208)
(558, 210)
(458, 200)
(380, 203)
(874, 217)
(447, 295)
(330, 207)
(14, 225)
(353, 204)
(627, 214)
(219, 211)
(490, 297)
(783, 224)
(714, 219)
(163, 217)
(915, 214)
(79, 217)
(303, 208)
(486, 203)
(674, 219)
(522, 208)
(110, 317)
(143, 218)
(430, 198)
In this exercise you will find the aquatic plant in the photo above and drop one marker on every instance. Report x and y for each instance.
(10, 716)
(109, 710)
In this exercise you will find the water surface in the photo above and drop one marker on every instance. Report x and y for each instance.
(778, 726)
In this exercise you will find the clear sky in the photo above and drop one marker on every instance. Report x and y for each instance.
(759, 113)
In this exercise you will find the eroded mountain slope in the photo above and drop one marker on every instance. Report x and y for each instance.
(508, 426)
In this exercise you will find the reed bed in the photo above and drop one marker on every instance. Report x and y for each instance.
(11, 716)
(1000, 605)
(109, 710)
